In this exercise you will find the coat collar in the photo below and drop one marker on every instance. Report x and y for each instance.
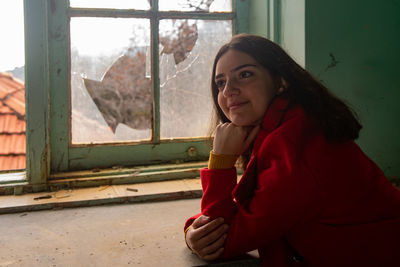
(277, 113)
(273, 118)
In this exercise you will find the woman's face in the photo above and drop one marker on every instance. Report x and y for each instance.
(245, 88)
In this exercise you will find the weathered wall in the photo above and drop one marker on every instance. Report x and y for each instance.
(353, 46)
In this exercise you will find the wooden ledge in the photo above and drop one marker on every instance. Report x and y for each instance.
(101, 195)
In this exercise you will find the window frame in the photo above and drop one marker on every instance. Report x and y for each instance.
(46, 42)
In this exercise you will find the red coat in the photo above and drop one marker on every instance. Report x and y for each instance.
(328, 201)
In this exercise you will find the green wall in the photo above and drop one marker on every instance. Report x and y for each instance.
(258, 17)
(353, 46)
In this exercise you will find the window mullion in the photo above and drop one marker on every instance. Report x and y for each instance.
(241, 22)
(58, 41)
(155, 71)
(36, 77)
(276, 21)
(108, 13)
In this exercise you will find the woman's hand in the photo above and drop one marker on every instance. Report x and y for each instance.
(206, 238)
(230, 139)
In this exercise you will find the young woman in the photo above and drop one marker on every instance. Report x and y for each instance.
(309, 196)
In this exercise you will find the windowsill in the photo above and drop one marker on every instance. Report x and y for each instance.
(15, 183)
(100, 195)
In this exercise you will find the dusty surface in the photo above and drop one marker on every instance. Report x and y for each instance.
(113, 194)
(148, 234)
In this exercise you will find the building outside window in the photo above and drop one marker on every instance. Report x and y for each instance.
(12, 90)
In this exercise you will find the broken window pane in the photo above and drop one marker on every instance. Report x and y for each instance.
(187, 50)
(196, 5)
(120, 4)
(111, 96)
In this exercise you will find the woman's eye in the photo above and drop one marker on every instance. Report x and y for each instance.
(220, 85)
(245, 74)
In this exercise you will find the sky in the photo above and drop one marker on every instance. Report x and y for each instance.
(12, 52)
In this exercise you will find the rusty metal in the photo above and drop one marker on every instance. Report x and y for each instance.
(192, 151)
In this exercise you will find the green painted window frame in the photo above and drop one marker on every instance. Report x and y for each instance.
(47, 94)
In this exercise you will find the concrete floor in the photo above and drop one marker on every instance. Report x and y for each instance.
(147, 234)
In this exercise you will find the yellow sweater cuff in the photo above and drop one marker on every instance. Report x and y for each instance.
(220, 161)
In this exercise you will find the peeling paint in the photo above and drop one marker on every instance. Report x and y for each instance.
(43, 163)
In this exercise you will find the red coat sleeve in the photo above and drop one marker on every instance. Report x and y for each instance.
(284, 194)
(228, 178)
(217, 198)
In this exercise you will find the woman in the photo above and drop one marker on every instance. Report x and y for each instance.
(309, 196)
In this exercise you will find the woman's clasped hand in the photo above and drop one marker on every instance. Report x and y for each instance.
(206, 237)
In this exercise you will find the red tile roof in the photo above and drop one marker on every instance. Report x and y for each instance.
(12, 123)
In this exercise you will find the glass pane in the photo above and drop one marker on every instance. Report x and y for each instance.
(196, 5)
(12, 87)
(118, 4)
(187, 52)
(111, 93)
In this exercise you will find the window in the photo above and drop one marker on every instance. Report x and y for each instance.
(12, 91)
(121, 83)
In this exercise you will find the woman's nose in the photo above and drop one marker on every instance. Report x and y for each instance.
(230, 89)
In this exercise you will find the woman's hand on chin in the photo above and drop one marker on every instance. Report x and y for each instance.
(231, 139)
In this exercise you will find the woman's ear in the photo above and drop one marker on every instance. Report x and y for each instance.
(283, 86)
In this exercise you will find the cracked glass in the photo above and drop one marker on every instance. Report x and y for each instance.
(187, 50)
(111, 95)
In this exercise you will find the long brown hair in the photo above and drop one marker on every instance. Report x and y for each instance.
(332, 115)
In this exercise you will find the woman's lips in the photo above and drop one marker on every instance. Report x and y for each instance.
(237, 105)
